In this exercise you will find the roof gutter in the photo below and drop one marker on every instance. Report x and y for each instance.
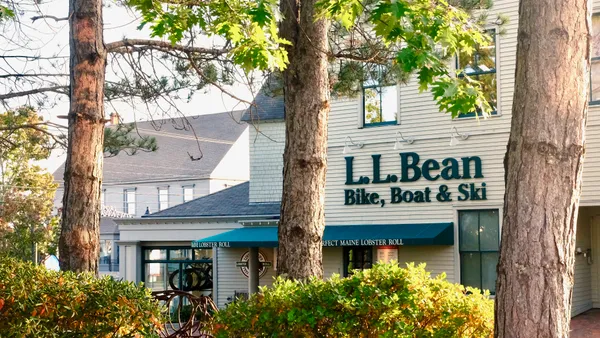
(192, 218)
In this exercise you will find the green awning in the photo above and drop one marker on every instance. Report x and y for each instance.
(342, 235)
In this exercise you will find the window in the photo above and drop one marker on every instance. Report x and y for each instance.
(357, 258)
(163, 198)
(103, 197)
(481, 66)
(380, 105)
(178, 268)
(595, 71)
(479, 239)
(188, 193)
(105, 251)
(129, 201)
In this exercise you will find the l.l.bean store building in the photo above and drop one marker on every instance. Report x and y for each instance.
(405, 183)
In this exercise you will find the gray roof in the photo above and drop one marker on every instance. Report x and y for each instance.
(232, 201)
(266, 106)
(209, 137)
(108, 226)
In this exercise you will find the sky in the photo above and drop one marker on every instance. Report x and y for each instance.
(48, 38)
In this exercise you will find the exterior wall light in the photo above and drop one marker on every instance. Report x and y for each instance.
(454, 134)
(348, 143)
(400, 139)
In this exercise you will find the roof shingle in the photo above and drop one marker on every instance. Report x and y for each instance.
(210, 137)
(265, 107)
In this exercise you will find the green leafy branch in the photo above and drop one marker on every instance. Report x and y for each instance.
(249, 27)
(427, 33)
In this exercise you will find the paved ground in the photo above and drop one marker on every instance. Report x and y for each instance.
(586, 325)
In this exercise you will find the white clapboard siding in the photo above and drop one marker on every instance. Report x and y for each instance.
(419, 118)
(332, 261)
(582, 290)
(438, 259)
(590, 189)
(231, 279)
(267, 141)
(490, 149)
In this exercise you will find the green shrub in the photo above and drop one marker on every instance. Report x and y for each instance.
(385, 301)
(35, 302)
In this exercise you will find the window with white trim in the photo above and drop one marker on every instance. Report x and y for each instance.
(163, 198)
(129, 201)
(188, 193)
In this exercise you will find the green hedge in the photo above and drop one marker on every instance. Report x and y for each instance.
(35, 302)
(386, 301)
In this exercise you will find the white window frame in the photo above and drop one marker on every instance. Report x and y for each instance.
(163, 198)
(188, 188)
(129, 204)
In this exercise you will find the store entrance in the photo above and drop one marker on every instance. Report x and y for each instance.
(357, 258)
(180, 269)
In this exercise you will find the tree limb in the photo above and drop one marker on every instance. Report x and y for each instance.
(57, 19)
(36, 126)
(223, 90)
(30, 75)
(124, 46)
(29, 57)
(56, 89)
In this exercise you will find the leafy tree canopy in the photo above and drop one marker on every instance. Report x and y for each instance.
(249, 26)
(26, 190)
(383, 41)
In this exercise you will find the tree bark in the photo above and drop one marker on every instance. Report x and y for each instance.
(78, 245)
(543, 169)
(306, 91)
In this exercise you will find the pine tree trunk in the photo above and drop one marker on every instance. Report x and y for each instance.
(306, 90)
(78, 246)
(543, 169)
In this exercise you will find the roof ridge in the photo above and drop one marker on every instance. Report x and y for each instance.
(184, 137)
(167, 119)
(216, 193)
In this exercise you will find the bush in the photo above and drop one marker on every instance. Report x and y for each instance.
(385, 301)
(35, 302)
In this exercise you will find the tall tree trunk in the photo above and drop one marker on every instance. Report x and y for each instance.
(78, 246)
(543, 169)
(306, 90)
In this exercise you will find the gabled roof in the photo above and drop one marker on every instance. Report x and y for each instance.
(232, 202)
(210, 137)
